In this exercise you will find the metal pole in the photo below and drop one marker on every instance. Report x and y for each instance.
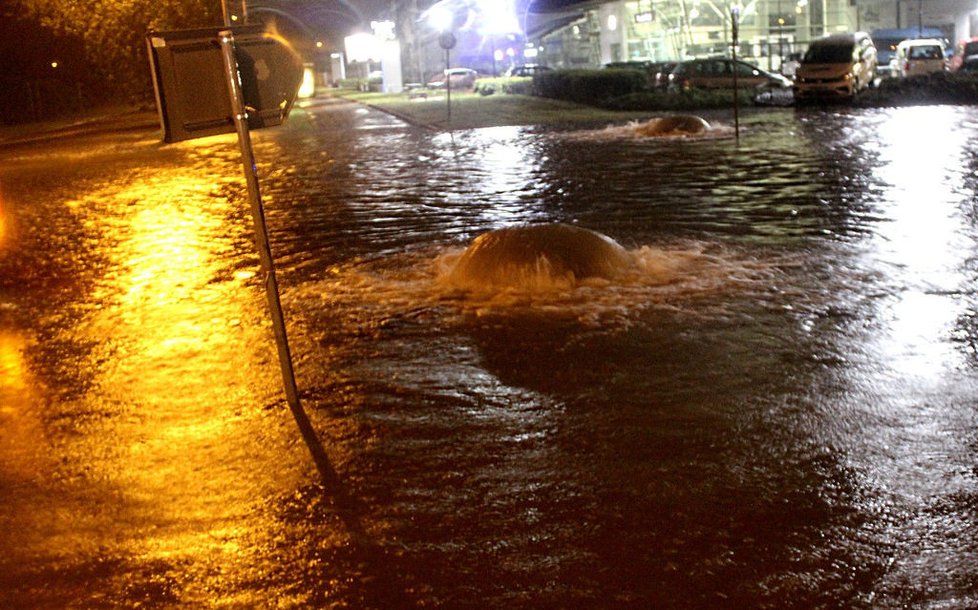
(225, 13)
(735, 30)
(258, 214)
(448, 82)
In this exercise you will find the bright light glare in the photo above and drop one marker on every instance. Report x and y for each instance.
(498, 17)
(308, 86)
(441, 18)
(362, 47)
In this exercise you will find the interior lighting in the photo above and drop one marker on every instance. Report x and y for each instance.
(612, 22)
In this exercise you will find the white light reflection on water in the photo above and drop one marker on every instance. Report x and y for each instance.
(923, 239)
(502, 170)
(912, 411)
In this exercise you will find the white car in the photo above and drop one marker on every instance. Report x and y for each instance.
(458, 78)
(920, 56)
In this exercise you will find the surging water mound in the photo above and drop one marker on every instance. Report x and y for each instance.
(538, 257)
(673, 126)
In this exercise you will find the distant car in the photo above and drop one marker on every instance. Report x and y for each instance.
(970, 65)
(718, 73)
(526, 70)
(459, 78)
(920, 57)
(967, 50)
(836, 66)
(657, 71)
(660, 79)
(886, 41)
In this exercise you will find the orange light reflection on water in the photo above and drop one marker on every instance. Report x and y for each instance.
(186, 372)
(3, 224)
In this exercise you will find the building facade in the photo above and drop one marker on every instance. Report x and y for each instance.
(769, 30)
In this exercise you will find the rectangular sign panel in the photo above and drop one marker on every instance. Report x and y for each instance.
(191, 83)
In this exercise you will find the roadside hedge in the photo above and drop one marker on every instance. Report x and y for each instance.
(592, 87)
(517, 85)
(938, 88)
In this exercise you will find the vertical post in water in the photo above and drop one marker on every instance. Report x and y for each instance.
(448, 82)
(735, 29)
(447, 41)
(258, 214)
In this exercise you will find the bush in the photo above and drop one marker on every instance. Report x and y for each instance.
(519, 85)
(938, 88)
(694, 99)
(349, 83)
(593, 87)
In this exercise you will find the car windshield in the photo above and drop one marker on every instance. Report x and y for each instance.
(887, 43)
(925, 52)
(828, 54)
(971, 48)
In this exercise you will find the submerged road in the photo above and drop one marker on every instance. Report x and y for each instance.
(770, 402)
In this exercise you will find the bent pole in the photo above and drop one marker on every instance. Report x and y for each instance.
(258, 214)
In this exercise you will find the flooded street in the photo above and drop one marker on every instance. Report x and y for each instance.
(773, 404)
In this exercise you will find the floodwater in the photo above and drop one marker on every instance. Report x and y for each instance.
(774, 406)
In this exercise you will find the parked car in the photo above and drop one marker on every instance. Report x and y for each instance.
(919, 57)
(887, 40)
(966, 50)
(657, 71)
(526, 70)
(836, 66)
(459, 78)
(660, 79)
(970, 65)
(718, 73)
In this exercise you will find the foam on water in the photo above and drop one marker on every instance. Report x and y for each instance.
(653, 129)
(682, 276)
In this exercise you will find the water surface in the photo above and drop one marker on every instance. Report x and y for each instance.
(775, 409)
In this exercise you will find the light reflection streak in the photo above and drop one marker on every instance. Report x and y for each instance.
(923, 238)
(20, 428)
(507, 165)
(186, 380)
(3, 224)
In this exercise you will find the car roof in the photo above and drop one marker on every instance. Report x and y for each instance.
(925, 42)
(914, 32)
(840, 38)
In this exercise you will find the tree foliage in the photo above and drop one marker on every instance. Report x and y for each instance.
(114, 33)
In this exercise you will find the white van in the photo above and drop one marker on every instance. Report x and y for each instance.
(836, 66)
(919, 56)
